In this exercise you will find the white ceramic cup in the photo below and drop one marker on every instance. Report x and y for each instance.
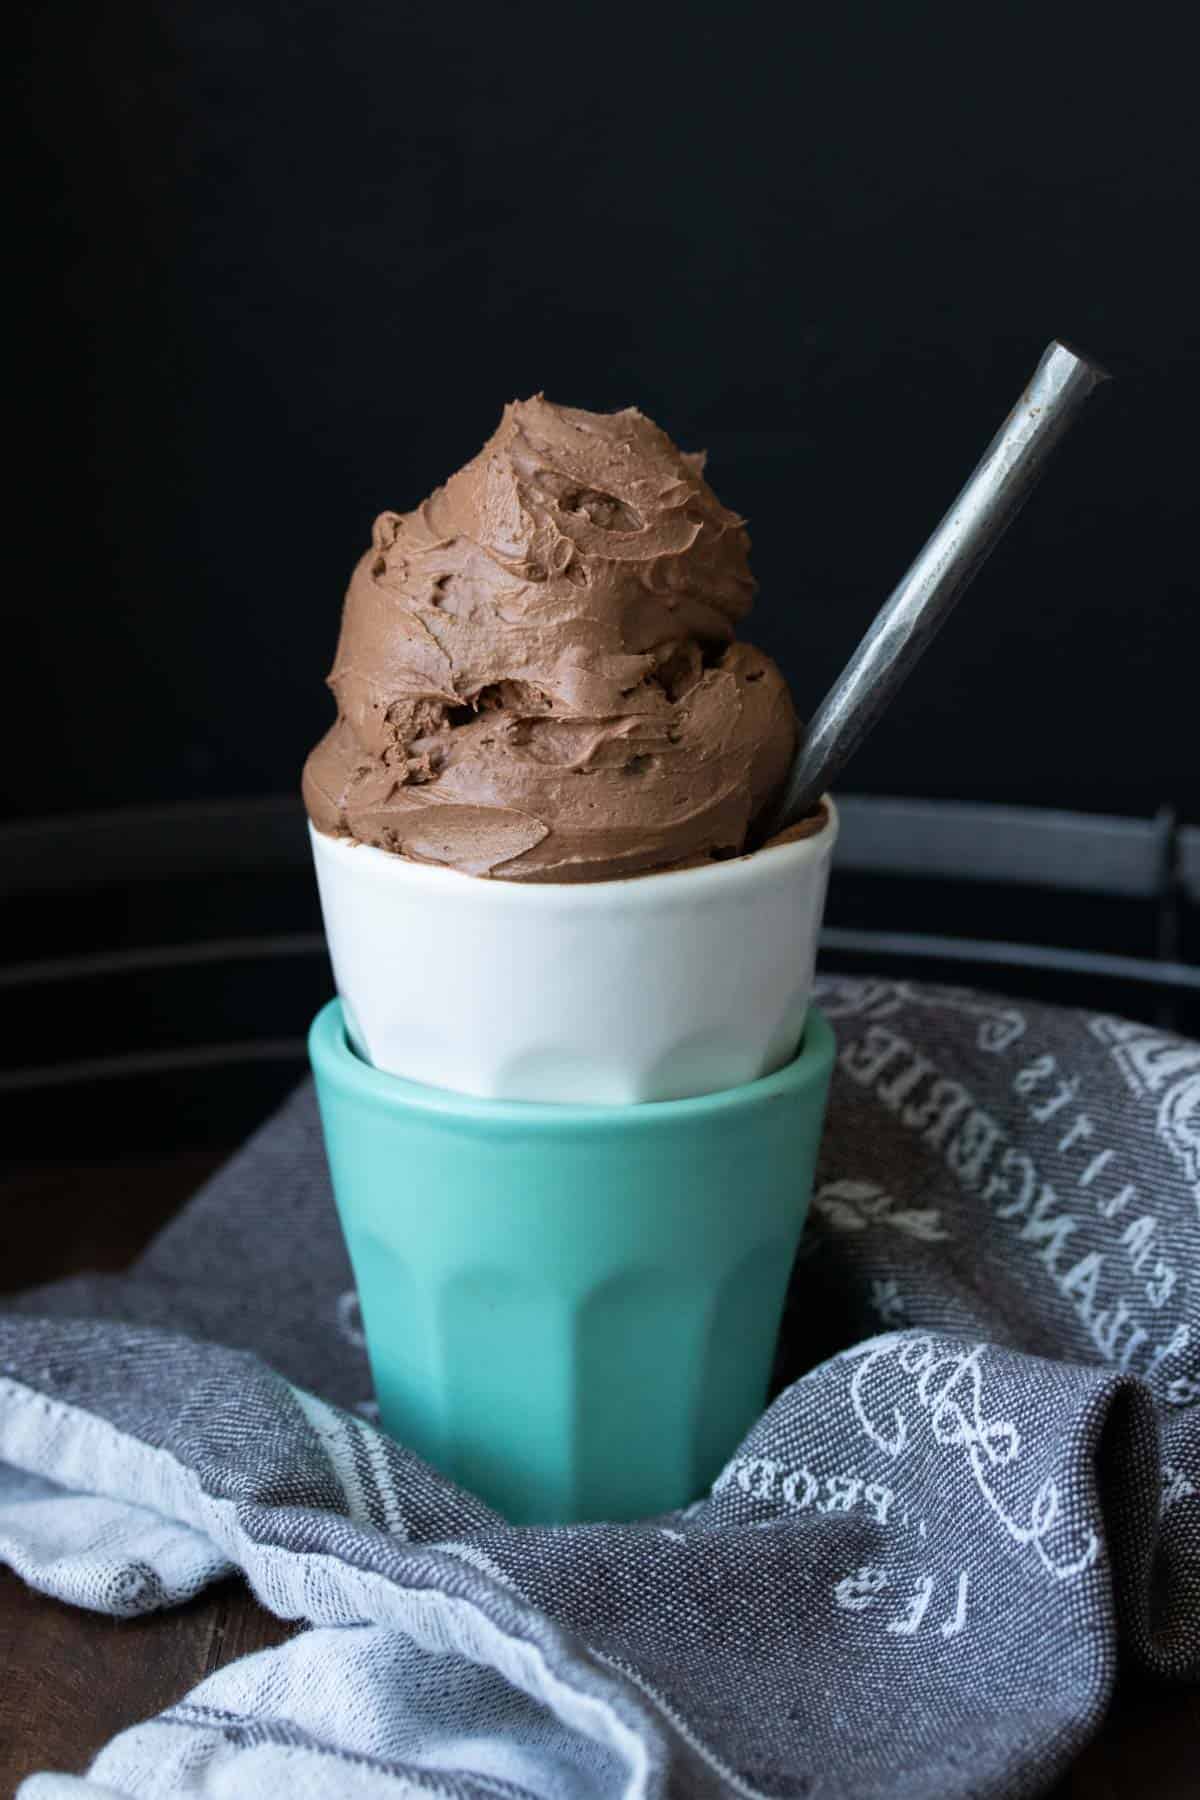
(655, 987)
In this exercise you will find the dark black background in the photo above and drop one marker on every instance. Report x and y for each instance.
(281, 265)
(278, 266)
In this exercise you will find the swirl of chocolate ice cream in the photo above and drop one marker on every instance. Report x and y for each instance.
(537, 677)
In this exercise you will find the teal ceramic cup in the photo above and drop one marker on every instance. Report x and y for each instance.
(571, 1310)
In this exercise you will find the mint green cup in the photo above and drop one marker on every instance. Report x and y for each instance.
(571, 1310)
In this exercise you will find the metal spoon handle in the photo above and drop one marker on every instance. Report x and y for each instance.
(908, 621)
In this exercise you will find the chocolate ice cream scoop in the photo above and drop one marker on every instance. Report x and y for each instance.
(537, 677)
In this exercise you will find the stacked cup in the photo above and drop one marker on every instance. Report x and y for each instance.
(572, 1130)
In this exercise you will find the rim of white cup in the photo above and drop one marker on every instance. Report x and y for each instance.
(647, 889)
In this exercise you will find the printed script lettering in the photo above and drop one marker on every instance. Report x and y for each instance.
(872, 1588)
(1164, 1069)
(1043, 1216)
(901, 1383)
(799, 1489)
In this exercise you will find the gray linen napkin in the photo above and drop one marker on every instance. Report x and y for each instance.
(976, 1492)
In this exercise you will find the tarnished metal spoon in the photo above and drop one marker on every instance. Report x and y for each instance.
(908, 621)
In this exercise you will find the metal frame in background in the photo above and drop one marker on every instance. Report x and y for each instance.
(1156, 860)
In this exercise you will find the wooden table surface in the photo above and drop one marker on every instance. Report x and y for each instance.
(70, 1680)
